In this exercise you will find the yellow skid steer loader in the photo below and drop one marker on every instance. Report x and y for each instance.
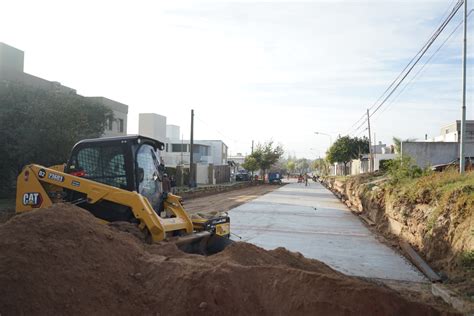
(118, 179)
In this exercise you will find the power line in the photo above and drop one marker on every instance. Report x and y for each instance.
(361, 132)
(422, 67)
(455, 10)
(412, 63)
(361, 118)
(409, 63)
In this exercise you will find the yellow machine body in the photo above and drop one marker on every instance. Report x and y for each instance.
(32, 193)
(119, 179)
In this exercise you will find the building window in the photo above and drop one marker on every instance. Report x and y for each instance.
(109, 124)
(176, 148)
(120, 121)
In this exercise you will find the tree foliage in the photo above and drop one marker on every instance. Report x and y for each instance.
(403, 168)
(302, 165)
(280, 166)
(321, 166)
(347, 148)
(41, 126)
(266, 155)
(250, 164)
(291, 166)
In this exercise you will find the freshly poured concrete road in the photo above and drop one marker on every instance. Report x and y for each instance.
(312, 221)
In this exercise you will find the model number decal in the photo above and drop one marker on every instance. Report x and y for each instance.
(32, 199)
(75, 183)
(55, 177)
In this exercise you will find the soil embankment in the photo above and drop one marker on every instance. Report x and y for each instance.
(434, 213)
(62, 260)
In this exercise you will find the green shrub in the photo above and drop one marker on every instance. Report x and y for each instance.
(384, 164)
(467, 259)
(403, 168)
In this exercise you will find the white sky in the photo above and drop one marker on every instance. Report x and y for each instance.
(251, 70)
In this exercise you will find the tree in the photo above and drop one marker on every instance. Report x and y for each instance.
(250, 164)
(347, 148)
(291, 166)
(302, 165)
(280, 166)
(41, 126)
(266, 156)
(321, 166)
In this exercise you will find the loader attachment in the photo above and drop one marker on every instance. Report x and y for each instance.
(203, 243)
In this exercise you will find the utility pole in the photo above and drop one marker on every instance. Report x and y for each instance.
(191, 143)
(371, 161)
(375, 148)
(182, 149)
(252, 154)
(462, 139)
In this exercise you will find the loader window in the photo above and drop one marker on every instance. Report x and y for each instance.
(149, 186)
(102, 164)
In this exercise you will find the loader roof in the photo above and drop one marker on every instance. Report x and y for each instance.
(129, 138)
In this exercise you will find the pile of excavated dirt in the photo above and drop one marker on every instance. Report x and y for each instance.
(62, 260)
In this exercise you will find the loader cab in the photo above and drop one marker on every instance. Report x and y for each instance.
(132, 163)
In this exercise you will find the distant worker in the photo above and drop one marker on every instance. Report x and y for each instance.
(173, 184)
(166, 184)
(306, 179)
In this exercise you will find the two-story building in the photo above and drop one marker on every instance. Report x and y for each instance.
(12, 62)
(451, 132)
(177, 150)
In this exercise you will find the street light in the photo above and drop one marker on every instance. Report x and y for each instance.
(325, 134)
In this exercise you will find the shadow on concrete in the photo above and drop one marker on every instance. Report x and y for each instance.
(265, 205)
(300, 193)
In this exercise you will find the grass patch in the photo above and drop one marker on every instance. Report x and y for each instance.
(446, 191)
(467, 259)
(436, 187)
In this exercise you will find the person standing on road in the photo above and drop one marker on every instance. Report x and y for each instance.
(173, 185)
(306, 179)
(166, 184)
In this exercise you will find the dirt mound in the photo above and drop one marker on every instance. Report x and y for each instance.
(62, 260)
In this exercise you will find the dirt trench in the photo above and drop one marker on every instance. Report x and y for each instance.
(62, 260)
(440, 236)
